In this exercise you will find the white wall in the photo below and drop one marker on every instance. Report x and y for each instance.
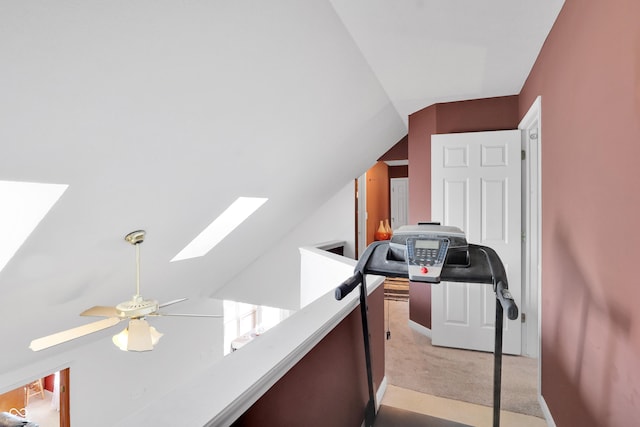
(321, 272)
(274, 278)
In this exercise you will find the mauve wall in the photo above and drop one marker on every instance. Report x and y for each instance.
(588, 74)
(420, 303)
(421, 125)
(398, 152)
(465, 116)
(398, 172)
(328, 387)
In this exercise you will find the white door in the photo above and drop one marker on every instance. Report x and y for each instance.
(399, 202)
(475, 185)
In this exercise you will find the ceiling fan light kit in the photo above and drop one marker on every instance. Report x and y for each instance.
(144, 338)
(138, 335)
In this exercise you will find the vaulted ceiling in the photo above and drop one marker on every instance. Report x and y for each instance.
(159, 114)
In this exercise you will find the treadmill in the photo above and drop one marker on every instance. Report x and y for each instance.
(432, 253)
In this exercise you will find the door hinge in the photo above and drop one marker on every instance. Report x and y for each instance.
(523, 155)
(523, 236)
(523, 317)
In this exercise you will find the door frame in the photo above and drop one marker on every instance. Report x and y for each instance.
(531, 126)
(65, 404)
(361, 221)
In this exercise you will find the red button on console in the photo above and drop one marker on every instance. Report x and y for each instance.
(424, 270)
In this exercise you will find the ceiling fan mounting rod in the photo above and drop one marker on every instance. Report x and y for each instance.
(135, 238)
(137, 270)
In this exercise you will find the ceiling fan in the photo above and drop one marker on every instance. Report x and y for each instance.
(139, 335)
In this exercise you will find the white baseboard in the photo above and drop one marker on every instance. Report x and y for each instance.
(546, 412)
(379, 395)
(419, 328)
(381, 391)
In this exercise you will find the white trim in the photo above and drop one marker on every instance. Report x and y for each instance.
(362, 215)
(397, 162)
(546, 412)
(533, 116)
(419, 328)
(382, 389)
(531, 226)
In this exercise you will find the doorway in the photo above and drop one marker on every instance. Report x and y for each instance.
(43, 400)
(399, 202)
(530, 246)
(475, 186)
(375, 197)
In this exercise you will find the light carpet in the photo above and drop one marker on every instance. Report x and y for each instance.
(413, 363)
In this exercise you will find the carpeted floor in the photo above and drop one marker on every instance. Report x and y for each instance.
(40, 411)
(413, 363)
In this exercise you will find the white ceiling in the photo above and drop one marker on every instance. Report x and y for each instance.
(158, 114)
(429, 51)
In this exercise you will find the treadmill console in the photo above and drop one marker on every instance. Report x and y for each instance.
(425, 257)
(458, 250)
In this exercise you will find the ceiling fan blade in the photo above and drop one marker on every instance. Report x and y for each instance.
(187, 315)
(101, 311)
(142, 337)
(70, 334)
(175, 301)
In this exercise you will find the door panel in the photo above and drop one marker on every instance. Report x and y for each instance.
(456, 194)
(476, 186)
(458, 312)
(493, 210)
(488, 306)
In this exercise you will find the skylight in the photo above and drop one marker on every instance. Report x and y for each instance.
(228, 220)
(24, 204)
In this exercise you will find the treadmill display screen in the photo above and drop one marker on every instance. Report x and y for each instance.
(427, 244)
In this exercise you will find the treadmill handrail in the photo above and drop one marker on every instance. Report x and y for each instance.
(500, 283)
(348, 285)
(375, 261)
